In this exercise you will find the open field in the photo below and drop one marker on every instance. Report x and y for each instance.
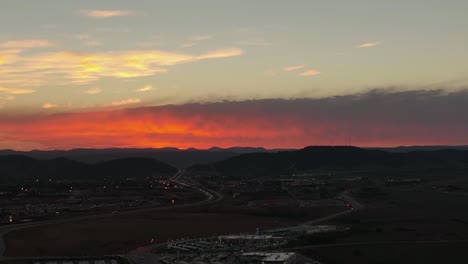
(427, 253)
(406, 224)
(121, 234)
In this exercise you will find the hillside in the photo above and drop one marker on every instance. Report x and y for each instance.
(176, 157)
(19, 168)
(334, 158)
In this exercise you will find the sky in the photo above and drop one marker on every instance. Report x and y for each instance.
(277, 74)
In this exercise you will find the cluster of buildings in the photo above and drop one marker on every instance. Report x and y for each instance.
(228, 243)
(254, 257)
(308, 187)
(260, 248)
(49, 200)
(268, 258)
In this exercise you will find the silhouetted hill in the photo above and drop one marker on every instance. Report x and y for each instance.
(329, 158)
(425, 148)
(173, 156)
(19, 168)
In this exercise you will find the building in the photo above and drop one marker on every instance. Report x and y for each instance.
(268, 258)
(252, 240)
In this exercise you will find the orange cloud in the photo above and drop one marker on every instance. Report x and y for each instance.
(8, 56)
(145, 89)
(126, 102)
(106, 13)
(16, 90)
(368, 44)
(49, 106)
(294, 67)
(93, 91)
(221, 53)
(310, 73)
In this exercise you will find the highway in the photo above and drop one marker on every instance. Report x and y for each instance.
(354, 206)
(211, 197)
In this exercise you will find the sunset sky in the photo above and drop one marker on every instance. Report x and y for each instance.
(271, 73)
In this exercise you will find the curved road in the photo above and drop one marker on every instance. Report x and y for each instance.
(211, 197)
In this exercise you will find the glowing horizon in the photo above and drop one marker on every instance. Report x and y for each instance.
(83, 57)
(270, 123)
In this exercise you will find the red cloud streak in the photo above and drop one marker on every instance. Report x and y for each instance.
(267, 123)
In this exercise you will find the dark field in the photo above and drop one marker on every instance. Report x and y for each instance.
(121, 234)
(403, 224)
(411, 253)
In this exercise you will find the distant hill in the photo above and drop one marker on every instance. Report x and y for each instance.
(20, 168)
(326, 158)
(173, 156)
(425, 148)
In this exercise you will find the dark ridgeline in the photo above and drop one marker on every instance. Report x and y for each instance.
(334, 158)
(173, 156)
(14, 168)
(20, 168)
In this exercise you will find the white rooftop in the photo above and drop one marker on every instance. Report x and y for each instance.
(271, 256)
(278, 257)
(246, 237)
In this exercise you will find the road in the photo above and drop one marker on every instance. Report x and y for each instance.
(211, 197)
(354, 206)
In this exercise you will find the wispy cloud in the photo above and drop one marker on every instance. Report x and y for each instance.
(194, 40)
(126, 102)
(9, 90)
(88, 40)
(369, 44)
(114, 30)
(26, 43)
(106, 13)
(294, 67)
(188, 45)
(221, 53)
(68, 67)
(201, 37)
(93, 91)
(8, 56)
(145, 89)
(49, 106)
(146, 44)
(310, 73)
(253, 42)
